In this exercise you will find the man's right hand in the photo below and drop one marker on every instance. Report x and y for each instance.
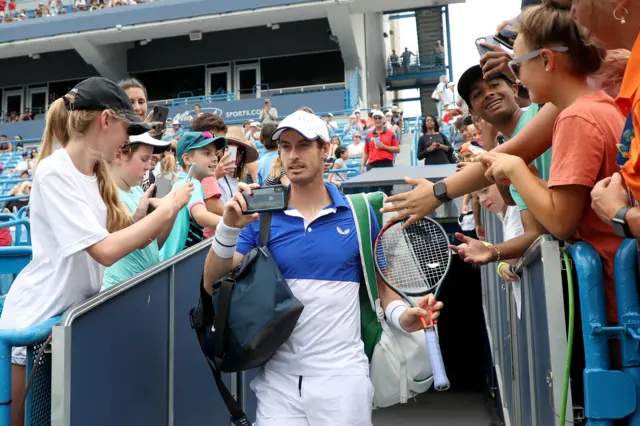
(233, 214)
(414, 204)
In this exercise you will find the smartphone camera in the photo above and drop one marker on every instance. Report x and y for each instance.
(277, 190)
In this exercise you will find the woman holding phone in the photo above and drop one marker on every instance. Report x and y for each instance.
(433, 146)
(244, 153)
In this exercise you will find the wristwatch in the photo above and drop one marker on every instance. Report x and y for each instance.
(440, 191)
(620, 225)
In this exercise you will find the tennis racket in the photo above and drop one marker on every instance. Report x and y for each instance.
(414, 262)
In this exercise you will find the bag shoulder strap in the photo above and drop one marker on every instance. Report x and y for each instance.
(265, 226)
(202, 317)
(362, 217)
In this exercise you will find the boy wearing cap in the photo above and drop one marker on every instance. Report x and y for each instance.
(199, 149)
(494, 101)
(381, 145)
(320, 375)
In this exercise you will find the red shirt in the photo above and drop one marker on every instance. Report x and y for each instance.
(5, 237)
(387, 137)
(12, 6)
(3, 4)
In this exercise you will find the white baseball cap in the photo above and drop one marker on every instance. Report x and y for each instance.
(378, 113)
(159, 146)
(308, 125)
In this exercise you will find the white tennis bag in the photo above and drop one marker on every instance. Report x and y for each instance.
(399, 362)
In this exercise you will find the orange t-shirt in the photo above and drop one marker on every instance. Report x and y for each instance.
(629, 103)
(584, 152)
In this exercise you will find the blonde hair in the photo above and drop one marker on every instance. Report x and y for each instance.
(168, 164)
(550, 24)
(276, 167)
(613, 67)
(61, 126)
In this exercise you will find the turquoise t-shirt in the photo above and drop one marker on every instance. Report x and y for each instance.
(542, 163)
(136, 261)
(264, 166)
(185, 232)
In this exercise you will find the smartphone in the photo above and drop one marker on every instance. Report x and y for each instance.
(484, 50)
(192, 170)
(267, 199)
(160, 115)
(507, 37)
(163, 186)
(233, 152)
(376, 141)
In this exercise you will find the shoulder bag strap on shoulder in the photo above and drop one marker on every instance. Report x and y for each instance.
(265, 226)
(362, 216)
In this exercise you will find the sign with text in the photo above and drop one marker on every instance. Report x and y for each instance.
(232, 112)
(249, 109)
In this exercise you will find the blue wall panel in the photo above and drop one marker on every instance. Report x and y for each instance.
(130, 15)
(233, 111)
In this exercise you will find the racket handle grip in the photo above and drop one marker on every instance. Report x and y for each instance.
(440, 379)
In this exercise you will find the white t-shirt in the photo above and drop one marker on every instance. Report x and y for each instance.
(512, 224)
(228, 186)
(355, 149)
(67, 216)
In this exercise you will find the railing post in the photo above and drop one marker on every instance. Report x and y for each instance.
(625, 267)
(5, 384)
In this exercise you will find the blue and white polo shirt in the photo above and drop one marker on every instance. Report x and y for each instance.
(321, 262)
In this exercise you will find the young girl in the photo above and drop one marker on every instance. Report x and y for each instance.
(78, 224)
(132, 161)
(553, 62)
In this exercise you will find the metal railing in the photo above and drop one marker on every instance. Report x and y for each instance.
(528, 350)
(420, 63)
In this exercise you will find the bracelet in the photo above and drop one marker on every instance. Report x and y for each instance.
(498, 254)
(498, 268)
(394, 310)
(225, 241)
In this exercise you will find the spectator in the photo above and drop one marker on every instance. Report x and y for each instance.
(13, 117)
(342, 155)
(82, 224)
(246, 154)
(264, 163)
(332, 125)
(584, 136)
(395, 64)
(356, 147)
(277, 174)
(23, 188)
(381, 145)
(197, 148)
(359, 118)
(128, 169)
(5, 144)
(354, 125)
(335, 143)
(433, 146)
(406, 59)
(268, 114)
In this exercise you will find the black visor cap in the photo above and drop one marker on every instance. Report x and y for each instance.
(98, 94)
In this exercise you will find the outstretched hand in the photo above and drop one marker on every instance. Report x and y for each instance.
(472, 251)
(414, 204)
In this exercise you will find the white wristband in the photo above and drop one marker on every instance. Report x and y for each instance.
(393, 312)
(225, 241)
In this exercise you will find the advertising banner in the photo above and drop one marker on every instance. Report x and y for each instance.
(235, 112)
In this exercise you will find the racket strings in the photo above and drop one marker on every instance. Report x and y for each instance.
(414, 260)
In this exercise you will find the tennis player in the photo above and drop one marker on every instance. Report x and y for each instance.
(320, 376)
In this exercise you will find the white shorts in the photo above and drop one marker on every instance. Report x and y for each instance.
(19, 355)
(287, 400)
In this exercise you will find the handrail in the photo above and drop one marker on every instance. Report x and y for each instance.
(29, 335)
(413, 152)
(533, 253)
(76, 311)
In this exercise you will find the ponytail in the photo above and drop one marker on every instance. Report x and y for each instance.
(168, 164)
(60, 127)
(56, 130)
(118, 217)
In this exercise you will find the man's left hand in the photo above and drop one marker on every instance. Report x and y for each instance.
(427, 307)
(608, 196)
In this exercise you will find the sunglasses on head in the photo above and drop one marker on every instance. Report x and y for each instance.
(515, 64)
